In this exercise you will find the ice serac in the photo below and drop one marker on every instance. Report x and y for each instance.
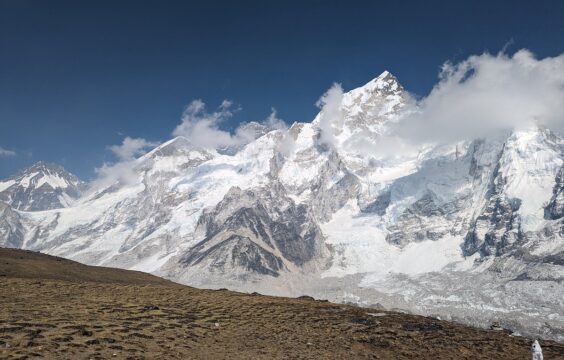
(42, 186)
(471, 231)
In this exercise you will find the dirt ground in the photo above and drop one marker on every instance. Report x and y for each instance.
(57, 309)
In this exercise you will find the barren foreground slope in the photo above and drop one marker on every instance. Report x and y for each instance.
(56, 308)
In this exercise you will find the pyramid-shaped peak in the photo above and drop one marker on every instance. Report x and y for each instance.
(387, 76)
(179, 145)
(44, 165)
(386, 80)
(46, 168)
(384, 84)
(41, 186)
(170, 147)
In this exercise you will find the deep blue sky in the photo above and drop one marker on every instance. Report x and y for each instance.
(77, 76)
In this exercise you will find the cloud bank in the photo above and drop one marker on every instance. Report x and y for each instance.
(485, 95)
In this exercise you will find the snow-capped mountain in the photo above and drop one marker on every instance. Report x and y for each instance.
(472, 230)
(42, 186)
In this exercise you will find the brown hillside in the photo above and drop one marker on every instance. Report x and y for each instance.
(58, 309)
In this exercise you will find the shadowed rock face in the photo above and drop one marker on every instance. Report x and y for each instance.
(423, 220)
(256, 230)
(555, 208)
(235, 252)
(11, 228)
(380, 204)
(498, 226)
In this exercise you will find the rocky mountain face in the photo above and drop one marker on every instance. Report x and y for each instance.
(11, 228)
(555, 208)
(42, 186)
(289, 214)
(259, 231)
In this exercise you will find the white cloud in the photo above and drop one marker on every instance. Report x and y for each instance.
(331, 116)
(122, 171)
(287, 144)
(486, 95)
(131, 148)
(273, 122)
(108, 174)
(6, 153)
(202, 128)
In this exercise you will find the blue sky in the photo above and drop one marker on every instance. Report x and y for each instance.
(79, 76)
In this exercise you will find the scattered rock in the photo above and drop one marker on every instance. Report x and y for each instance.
(377, 306)
(365, 321)
(422, 327)
(82, 331)
(496, 326)
(376, 314)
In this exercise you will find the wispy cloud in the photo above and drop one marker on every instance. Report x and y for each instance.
(7, 153)
(274, 122)
(202, 128)
(123, 170)
(331, 116)
(131, 148)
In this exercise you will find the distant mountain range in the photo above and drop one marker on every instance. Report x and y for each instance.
(471, 231)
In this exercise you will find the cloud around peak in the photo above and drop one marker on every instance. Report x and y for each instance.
(202, 128)
(131, 148)
(331, 115)
(487, 94)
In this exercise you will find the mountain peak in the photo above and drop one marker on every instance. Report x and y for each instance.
(41, 186)
(382, 86)
(176, 146)
(44, 166)
(385, 74)
(385, 82)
